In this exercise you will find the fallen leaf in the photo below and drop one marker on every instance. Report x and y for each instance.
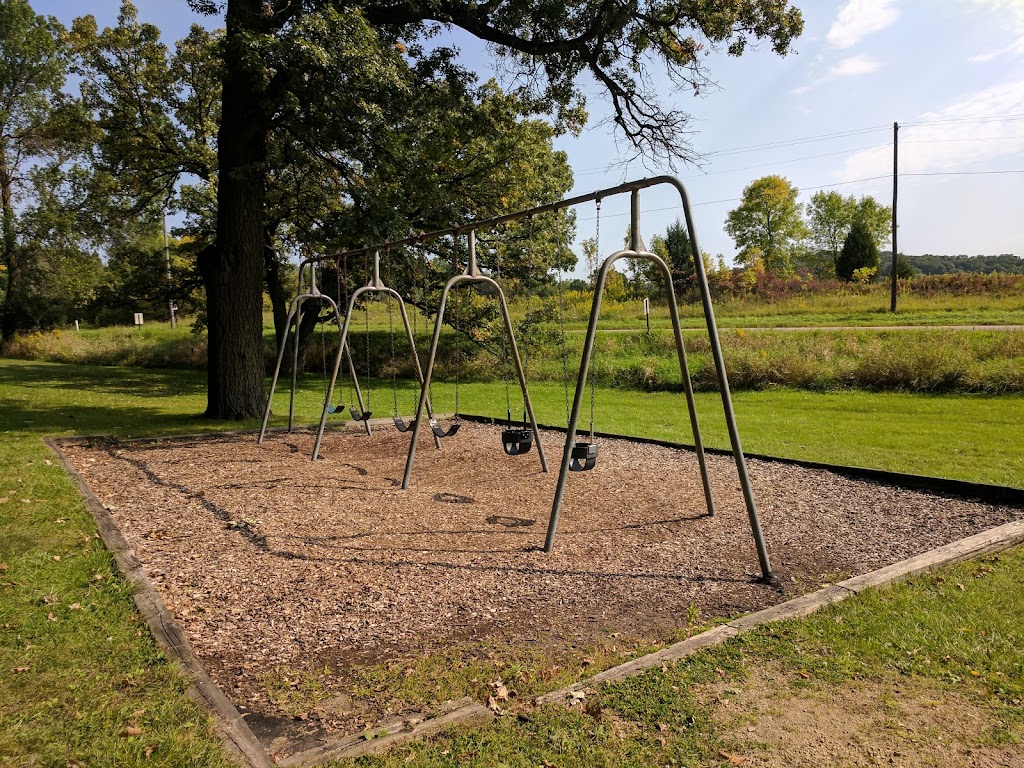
(47, 462)
(492, 704)
(961, 587)
(132, 730)
(50, 617)
(26, 501)
(804, 674)
(662, 727)
(720, 672)
(56, 558)
(148, 751)
(3, 499)
(19, 670)
(732, 759)
(4, 566)
(74, 606)
(592, 708)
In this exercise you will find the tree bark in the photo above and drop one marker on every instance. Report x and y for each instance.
(8, 241)
(233, 270)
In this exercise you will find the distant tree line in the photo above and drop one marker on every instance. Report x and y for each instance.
(937, 264)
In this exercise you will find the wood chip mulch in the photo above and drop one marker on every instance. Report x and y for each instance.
(268, 559)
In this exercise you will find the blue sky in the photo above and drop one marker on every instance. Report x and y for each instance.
(951, 72)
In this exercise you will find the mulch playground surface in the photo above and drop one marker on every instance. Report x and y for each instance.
(270, 561)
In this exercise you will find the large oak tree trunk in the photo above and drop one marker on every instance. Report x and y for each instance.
(10, 260)
(233, 271)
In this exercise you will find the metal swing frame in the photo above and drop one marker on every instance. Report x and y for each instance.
(471, 276)
(637, 250)
(295, 312)
(375, 285)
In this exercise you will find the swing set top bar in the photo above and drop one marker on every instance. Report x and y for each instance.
(630, 186)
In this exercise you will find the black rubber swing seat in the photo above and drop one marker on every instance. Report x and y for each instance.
(516, 441)
(440, 431)
(335, 408)
(403, 426)
(357, 416)
(584, 457)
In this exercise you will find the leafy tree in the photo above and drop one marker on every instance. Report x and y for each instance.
(59, 269)
(904, 271)
(135, 277)
(767, 224)
(830, 216)
(859, 251)
(876, 217)
(35, 132)
(287, 65)
(675, 248)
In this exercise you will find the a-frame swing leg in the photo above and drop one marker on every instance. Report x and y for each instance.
(415, 359)
(425, 388)
(342, 347)
(581, 382)
(277, 371)
(472, 275)
(295, 312)
(723, 379)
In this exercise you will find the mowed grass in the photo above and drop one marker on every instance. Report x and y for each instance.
(81, 681)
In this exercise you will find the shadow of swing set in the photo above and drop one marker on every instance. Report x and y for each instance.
(577, 455)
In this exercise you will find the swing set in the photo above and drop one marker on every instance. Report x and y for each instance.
(295, 313)
(577, 456)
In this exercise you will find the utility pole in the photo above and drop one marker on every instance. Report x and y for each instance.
(895, 180)
(167, 258)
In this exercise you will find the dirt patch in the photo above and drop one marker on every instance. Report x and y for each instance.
(904, 723)
(272, 562)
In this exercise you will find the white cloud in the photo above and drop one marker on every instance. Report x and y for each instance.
(854, 65)
(1016, 48)
(858, 19)
(948, 141)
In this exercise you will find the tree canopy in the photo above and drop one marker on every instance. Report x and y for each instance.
(37, 134)
(286, 65)
(767, 224)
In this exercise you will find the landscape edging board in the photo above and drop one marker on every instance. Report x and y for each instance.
(993, 540)
(235, 732)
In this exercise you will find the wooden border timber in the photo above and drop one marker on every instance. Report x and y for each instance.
(241, 741)
(234, 731)
(993, 540)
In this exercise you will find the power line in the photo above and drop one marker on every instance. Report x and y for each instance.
(806, 189)
(961, 173)
(967, 120)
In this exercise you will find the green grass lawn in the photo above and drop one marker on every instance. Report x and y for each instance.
(81, 682)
